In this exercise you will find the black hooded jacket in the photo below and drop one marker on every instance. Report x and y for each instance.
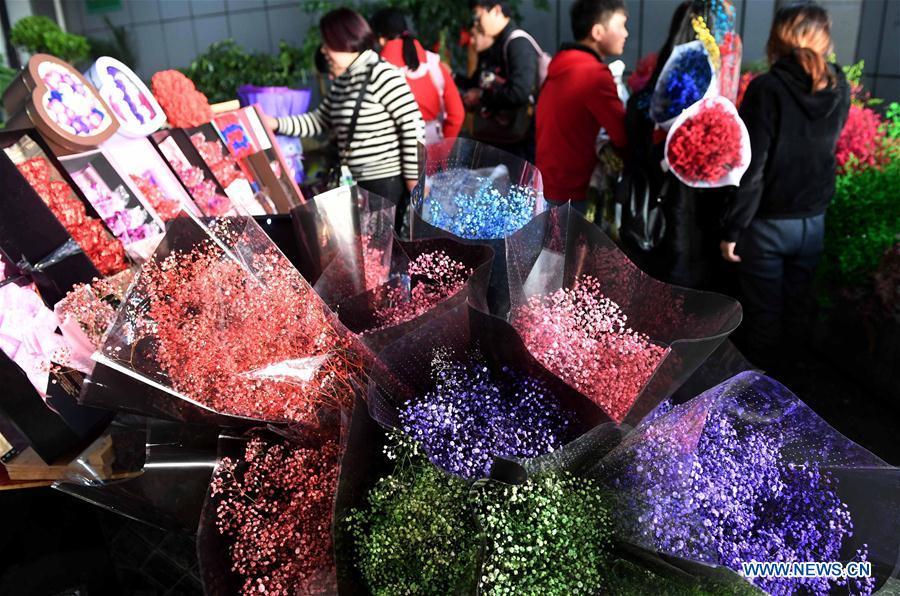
(793, 134)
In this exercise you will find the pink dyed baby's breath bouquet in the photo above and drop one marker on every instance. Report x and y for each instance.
(584, 338)
(425, 278)
(266, 522)
(434, 277)
(586, 312)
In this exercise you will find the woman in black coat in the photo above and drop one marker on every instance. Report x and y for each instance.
(774, 224)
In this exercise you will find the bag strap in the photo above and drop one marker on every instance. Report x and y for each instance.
(359, 99)
(663, 190)
(517, 33)
(521, 33)
(433, 64)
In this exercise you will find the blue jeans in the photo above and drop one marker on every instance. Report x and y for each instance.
(778, 264)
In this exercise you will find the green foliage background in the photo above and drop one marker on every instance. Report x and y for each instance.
(225, 66)
(864, 218)
(39, 34)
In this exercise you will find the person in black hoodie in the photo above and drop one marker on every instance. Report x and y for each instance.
(774, 224)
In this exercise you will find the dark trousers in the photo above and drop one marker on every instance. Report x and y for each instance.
(778, 265)
(393, 189)
(579, 206)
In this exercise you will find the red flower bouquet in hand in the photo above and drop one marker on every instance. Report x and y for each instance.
(183, 104)
(708, 145)
(742, 86)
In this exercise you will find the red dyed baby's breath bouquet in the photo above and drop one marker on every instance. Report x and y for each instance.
(583, 337)
(643, 72)
(601, 324)
(183, 104)
(708, 145)
(219, 317)
(745, 80)
(270, 509)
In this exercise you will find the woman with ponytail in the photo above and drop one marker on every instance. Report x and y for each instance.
(430, 80)
(774, 223)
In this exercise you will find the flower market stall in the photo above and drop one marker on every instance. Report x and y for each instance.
(499, 403)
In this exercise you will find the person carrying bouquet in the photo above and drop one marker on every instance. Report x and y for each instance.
(774, 224)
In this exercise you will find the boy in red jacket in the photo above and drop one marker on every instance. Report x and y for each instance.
(577, 99)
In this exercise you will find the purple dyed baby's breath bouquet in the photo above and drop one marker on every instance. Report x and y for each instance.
(474, 414)
(723, 479)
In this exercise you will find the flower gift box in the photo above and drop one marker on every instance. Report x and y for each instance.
(231, 175)
(281, 101)
(250, 142)
(36, 234)
(196, 176)
(124, 210)
(137, 161)
(53, 97)
(131, 102)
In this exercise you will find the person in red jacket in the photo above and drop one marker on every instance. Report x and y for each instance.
(430, 80)
(579, 98)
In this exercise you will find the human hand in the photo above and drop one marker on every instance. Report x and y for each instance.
(728, 254)
(472, 97)
(269, 122)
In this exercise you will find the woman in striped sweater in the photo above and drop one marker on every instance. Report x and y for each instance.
(381, 152)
